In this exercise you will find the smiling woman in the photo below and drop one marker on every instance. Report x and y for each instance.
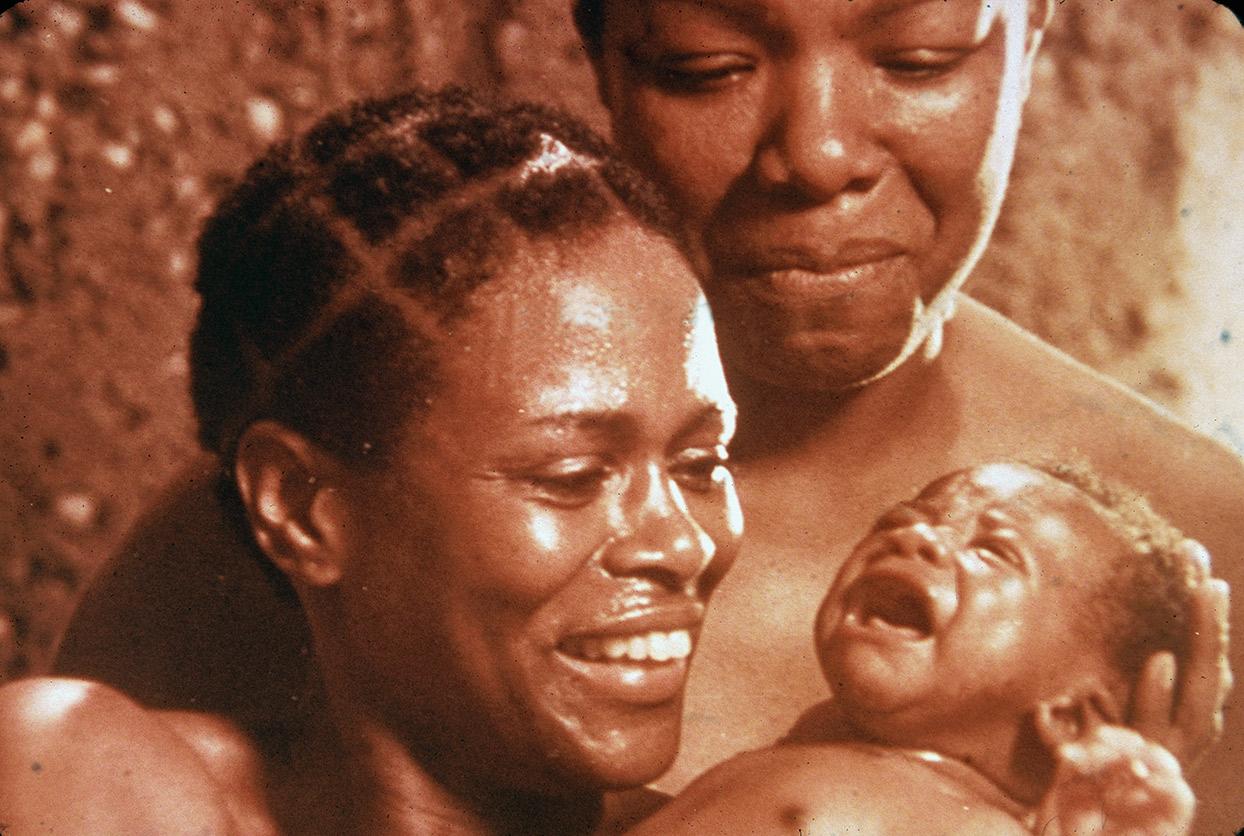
(468, 389)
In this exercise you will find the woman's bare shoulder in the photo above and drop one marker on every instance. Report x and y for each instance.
(1018, 383)
(79, 757)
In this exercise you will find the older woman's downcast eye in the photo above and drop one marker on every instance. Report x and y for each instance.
(692, 72)
(701, 469)
(921, 64)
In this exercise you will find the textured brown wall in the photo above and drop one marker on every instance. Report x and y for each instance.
(122, 120)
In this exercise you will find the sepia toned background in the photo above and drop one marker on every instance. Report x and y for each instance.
(121, 121)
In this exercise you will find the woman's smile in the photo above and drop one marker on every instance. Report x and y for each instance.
(639, 656)
(564, 514)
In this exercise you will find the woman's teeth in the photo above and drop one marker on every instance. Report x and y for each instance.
(655, 647)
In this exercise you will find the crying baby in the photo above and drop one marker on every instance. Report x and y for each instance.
(978, 640)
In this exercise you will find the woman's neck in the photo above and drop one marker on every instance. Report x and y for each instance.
(776, 422)
(392, 790)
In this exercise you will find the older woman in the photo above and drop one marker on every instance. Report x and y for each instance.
(469, 392)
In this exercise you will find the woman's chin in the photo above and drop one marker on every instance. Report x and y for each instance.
(629, 758)
(814, 362)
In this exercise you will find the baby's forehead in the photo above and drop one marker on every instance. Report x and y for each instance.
(1006, 493)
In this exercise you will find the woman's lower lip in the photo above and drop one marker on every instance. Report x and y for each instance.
(776, 285)
(645, 683)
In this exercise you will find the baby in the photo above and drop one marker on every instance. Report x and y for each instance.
(982, 643)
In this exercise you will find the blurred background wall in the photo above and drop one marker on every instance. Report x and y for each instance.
(121, 121)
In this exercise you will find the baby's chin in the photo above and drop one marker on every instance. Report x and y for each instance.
(867, 691)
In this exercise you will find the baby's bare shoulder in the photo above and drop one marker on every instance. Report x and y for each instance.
(812, 789)
(79, 757)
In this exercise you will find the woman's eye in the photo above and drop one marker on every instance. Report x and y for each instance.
(569, 487)
(698, 72)
(701, 469)
(919, 64)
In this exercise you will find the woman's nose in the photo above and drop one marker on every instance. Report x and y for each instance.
(659, 539)
(819, 142)
(921, 540)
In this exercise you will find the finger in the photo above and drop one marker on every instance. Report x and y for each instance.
(1198, 555)
(1154, 701)
(1205, 681)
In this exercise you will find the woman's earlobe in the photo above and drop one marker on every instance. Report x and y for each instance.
(294, 514)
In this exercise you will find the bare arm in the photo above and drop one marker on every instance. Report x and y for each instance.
(80, 758)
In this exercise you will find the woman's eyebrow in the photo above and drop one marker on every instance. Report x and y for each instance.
(998, 517)
(877, 10)
(589, 420)
(752, 15)
(902, 513)
(710, 416)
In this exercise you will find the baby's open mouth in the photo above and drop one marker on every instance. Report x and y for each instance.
(651, 646)
(892, 603)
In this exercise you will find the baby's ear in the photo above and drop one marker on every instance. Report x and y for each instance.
(289, 488)
(1072, 716)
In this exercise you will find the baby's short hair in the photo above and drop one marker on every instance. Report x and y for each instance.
(1145, 605)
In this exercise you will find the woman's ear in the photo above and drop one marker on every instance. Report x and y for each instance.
(290, 489)
(1072, 716)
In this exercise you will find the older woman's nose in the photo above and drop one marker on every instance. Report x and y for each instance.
(819, 141)
(921, 540)
(660, 540)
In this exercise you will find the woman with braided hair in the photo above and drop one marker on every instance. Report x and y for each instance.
(467, 393)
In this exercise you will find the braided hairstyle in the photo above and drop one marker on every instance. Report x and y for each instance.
(1145, 605)
(330, 272)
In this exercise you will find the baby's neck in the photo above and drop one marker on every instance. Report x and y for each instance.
(967, 777)
(1014, 783)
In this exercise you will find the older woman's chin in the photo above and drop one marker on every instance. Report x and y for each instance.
(788, 354)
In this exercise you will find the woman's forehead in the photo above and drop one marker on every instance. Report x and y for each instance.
(595, 282)
(783, 12)
(595, 316)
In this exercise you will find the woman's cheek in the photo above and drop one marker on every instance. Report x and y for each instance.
(537, 553)
(695, 150)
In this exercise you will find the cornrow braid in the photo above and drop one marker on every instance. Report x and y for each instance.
(328, 274)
